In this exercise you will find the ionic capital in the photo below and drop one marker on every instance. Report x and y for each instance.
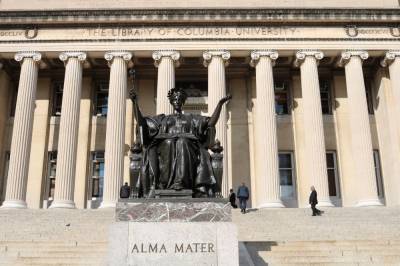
(301, 56)
(257, 54)
(64, 56)
(346, 55)
(208, 55)
(174, 55)
(109, 56)
(36, 56)
(390, 56)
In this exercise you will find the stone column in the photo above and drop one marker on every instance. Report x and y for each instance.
(166, 61)
(267, 172)
(392, 61)
(360, 128)
(216, 61)
(22, 130)
(115, 131)
(313, 124)
(68, 136)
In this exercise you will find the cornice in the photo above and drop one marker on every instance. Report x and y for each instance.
(201, 15)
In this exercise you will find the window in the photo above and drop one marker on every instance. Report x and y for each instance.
(57, 98)
(286, 174)
(333, 179)
(51, 174)
(378, 174)
(97, 173)
(281, 97)
(101, 99)
(326, 98)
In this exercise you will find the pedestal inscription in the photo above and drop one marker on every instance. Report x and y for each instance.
(145, 239)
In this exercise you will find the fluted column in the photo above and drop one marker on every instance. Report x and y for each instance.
(22, 131)
(392, 61)
(216, 61)
(68, 137)
(166, 61)
(115, 132)
(267, 169)
(360, 128)
(313, 124)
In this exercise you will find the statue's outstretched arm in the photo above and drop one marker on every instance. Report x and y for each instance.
(138, 114)
(215, 116)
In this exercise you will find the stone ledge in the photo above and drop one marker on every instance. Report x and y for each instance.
(173, 210)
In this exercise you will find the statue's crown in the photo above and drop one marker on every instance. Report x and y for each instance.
(174, 91)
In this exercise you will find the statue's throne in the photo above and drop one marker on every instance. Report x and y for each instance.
(136, 155)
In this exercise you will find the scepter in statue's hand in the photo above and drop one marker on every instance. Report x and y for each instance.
(133, 95)
(138, 113)
(215, 116)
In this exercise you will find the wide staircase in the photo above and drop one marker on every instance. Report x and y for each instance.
(54, 237)
(342, 236)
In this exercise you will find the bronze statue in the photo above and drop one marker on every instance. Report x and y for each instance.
(175, 148)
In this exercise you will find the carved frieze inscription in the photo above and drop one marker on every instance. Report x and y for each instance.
(198, 33)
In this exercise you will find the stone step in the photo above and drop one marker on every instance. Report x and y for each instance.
(322, 260)
(60, 260)
(332, 253)
(323, 247)
(49, 248)
(319, 259)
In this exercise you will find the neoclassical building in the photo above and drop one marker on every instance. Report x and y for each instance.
(316, 95)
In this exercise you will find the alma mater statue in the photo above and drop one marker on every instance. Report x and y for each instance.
(175, 148)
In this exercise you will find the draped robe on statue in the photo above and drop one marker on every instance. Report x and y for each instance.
(176, 155)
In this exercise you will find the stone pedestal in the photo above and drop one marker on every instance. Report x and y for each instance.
(173, 232)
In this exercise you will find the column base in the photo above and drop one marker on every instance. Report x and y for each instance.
(107, 204)
(325, 203)
(62, 204)
(14, 204)
(369, 202)
(272, 204)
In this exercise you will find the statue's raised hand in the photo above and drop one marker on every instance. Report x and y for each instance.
(132, 95)
(225, 99)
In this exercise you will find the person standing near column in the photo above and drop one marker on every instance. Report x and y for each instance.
(314, 201)
(243, 195)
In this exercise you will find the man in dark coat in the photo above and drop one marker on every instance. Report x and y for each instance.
(232, 199)
(313, 202)
(243, 195)
(125, 191)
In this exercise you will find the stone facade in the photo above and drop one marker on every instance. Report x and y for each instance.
(318, 105)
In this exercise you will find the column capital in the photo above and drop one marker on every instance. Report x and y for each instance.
(257, 54)
(346, 55)
(208, 55)
(64, 56)
(302, 54)
(109, 56)
(158, 55)
(20, 56)
(390, 56)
